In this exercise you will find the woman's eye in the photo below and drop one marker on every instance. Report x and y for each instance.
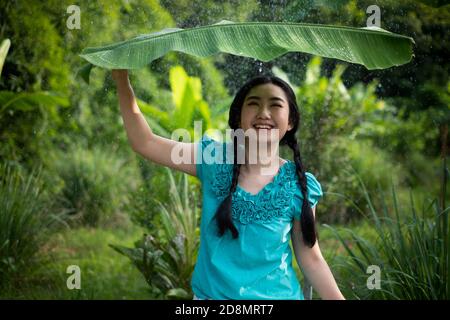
(255, 104)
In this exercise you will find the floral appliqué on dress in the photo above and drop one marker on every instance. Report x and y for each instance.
(269, 203)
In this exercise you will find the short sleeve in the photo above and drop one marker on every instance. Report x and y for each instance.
(199, 161)
(210, 152)
(314, 194)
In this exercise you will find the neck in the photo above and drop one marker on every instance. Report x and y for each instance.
(262, 159)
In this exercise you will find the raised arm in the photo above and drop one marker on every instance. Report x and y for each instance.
(142, 140)
(314, 266)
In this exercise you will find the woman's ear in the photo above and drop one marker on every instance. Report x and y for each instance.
(289, 128)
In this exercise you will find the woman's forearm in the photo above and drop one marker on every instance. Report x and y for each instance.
(322, 280)
(136, 127)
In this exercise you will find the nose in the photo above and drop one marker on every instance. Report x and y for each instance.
(264, 112)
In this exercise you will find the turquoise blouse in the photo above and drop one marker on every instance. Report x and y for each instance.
(258, 264)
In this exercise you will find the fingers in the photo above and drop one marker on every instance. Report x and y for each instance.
(119, 74)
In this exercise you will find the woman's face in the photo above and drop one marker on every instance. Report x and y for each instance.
(265, 112)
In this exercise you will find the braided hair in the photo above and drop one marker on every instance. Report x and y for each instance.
(223, 215)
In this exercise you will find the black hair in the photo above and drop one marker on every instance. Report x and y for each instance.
(223, 214)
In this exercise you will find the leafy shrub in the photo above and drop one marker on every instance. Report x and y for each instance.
(26, 219)
(411, 251)
(95, 183)
(167, 259)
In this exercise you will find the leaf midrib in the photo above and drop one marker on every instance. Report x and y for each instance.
(321, 26)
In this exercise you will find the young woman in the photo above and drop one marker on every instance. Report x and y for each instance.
(251, 209)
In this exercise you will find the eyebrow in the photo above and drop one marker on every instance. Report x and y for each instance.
(258, 98)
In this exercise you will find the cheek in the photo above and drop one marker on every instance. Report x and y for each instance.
(246, 117)
(282, 118)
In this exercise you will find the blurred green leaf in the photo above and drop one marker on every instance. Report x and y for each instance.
(4, 47)
(26, 101)
(85, 71)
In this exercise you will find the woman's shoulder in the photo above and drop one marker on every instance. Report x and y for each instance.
(314, 187)
(214, 151)
(291, 172)
(214, 159)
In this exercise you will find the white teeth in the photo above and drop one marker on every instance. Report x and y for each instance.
(262, 127)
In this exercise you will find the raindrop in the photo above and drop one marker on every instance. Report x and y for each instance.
(259, 65)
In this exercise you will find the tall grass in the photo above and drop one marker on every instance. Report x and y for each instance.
(26, 220)
(411, 250)
(167, 259)
(103, 275)
(95, 183)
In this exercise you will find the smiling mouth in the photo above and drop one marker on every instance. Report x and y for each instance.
(263, 127)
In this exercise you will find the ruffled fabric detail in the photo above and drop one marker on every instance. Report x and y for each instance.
(273, 201)
(222, 180)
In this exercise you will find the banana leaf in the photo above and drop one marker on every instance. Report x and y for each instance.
(26, 101)
(4, 47)
(373, 47)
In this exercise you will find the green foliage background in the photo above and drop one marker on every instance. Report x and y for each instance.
(387, 126)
